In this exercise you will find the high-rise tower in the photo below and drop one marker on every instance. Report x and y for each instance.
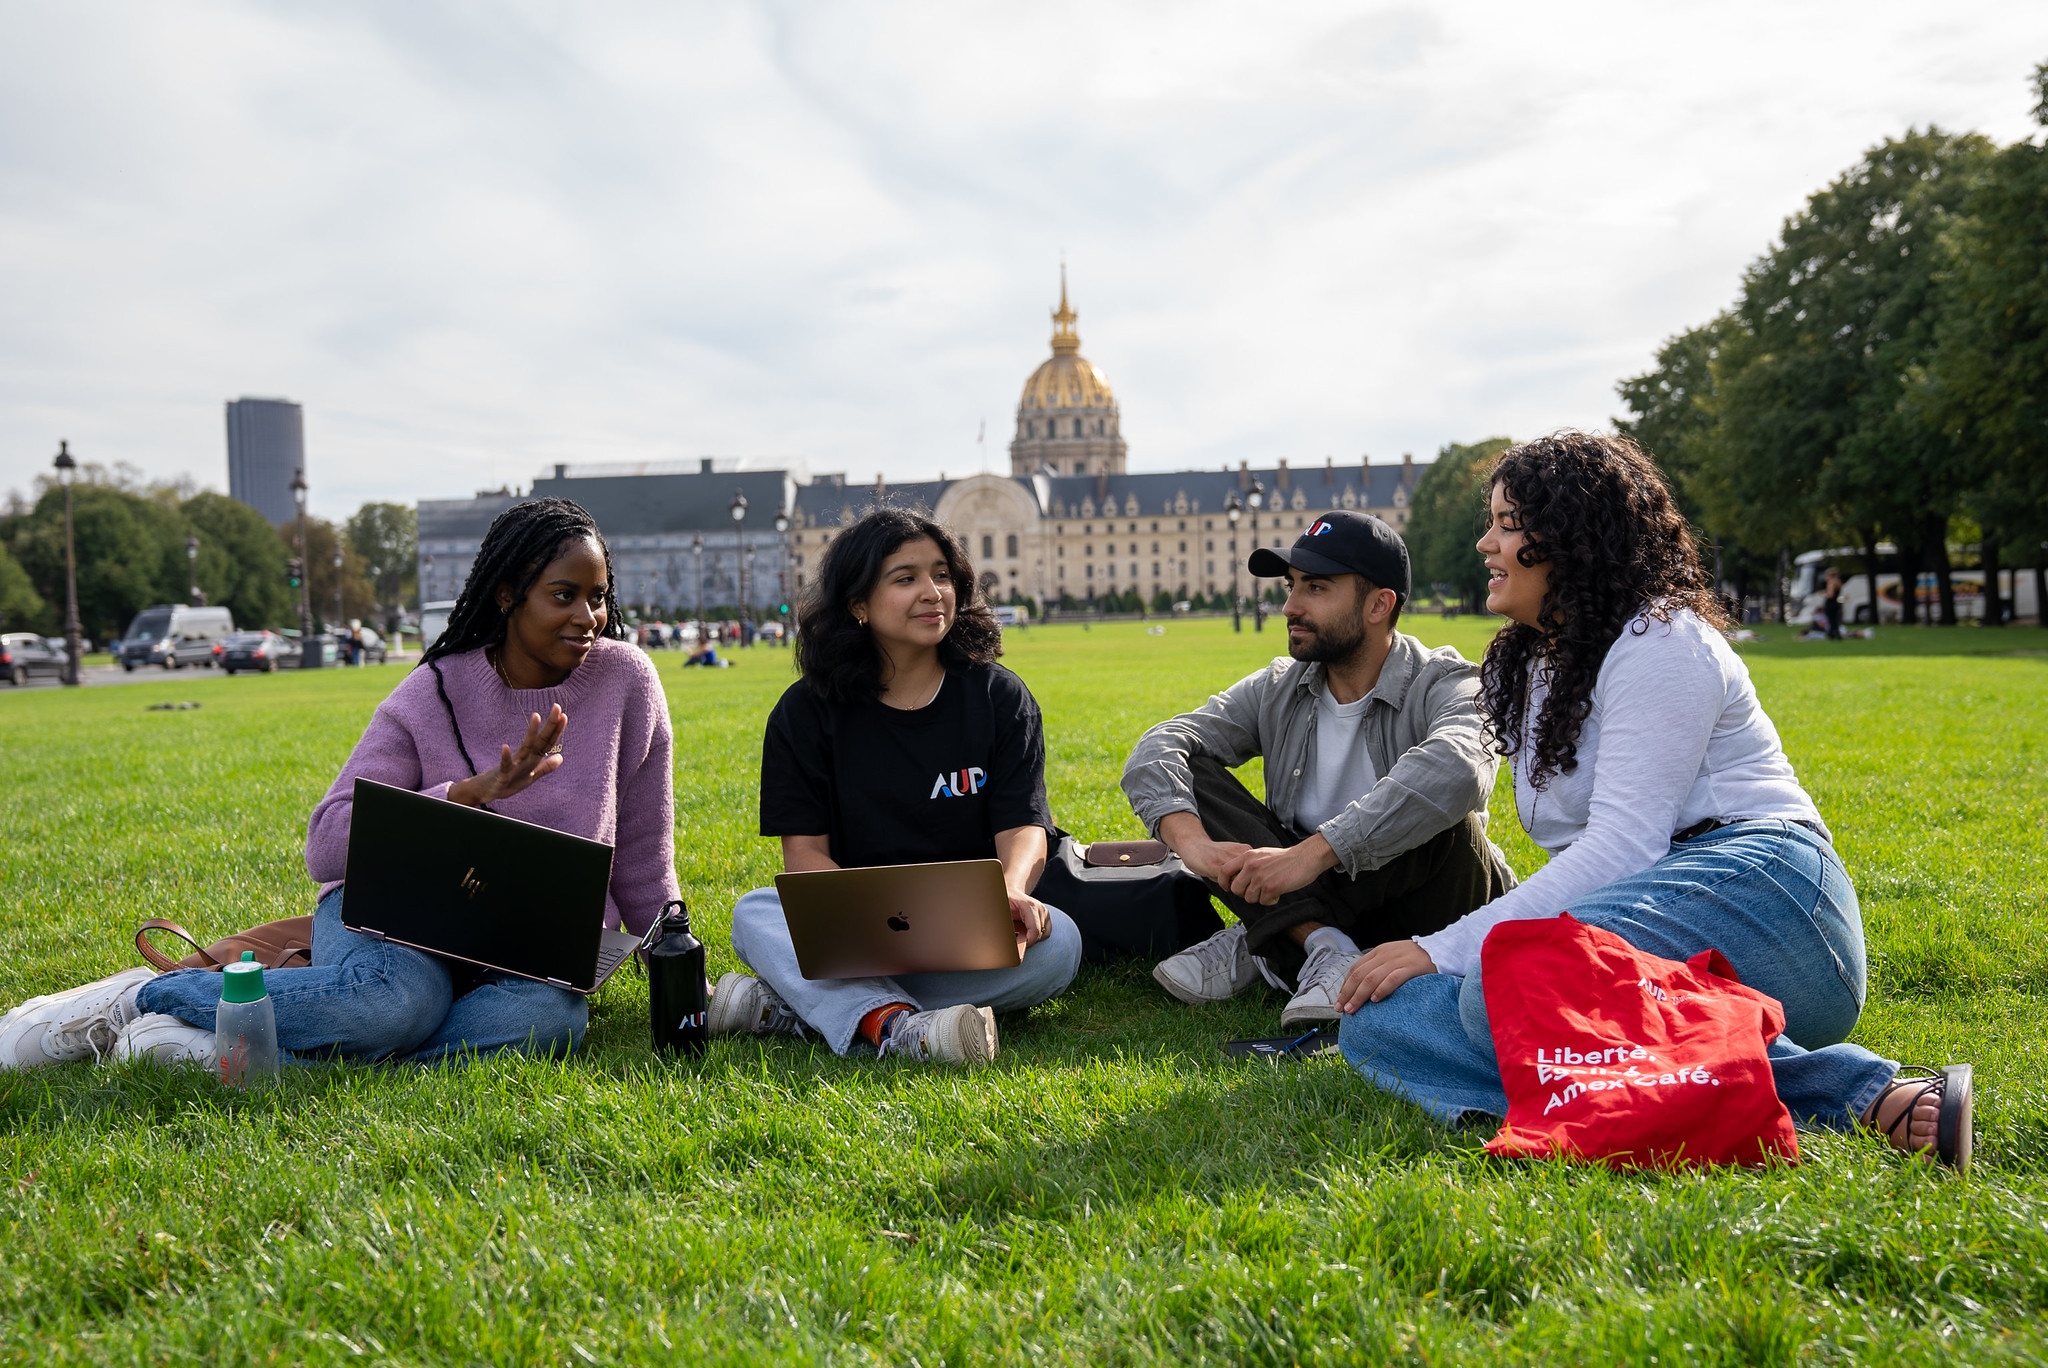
(266, 447)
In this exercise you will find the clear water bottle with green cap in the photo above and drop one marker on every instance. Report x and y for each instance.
(245, 1027)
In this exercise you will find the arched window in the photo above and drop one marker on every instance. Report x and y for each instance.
(1010, 545)
(988, 547)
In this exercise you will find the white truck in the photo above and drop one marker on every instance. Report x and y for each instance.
(1809, 590)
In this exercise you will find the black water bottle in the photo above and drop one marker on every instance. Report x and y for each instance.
(677, 1002)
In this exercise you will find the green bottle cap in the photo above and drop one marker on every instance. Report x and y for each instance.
(242, 982)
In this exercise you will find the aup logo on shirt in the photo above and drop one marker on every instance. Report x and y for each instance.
(960, 784)
(1317, 528)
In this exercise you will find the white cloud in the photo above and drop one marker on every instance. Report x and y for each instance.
(474, 240)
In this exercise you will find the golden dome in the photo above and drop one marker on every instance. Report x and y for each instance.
(1069, 380)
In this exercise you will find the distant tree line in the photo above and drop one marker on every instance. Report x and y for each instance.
(1882, 380)
(133, 550)
(1883, 376)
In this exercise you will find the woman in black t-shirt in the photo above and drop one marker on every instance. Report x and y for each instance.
(903, 743)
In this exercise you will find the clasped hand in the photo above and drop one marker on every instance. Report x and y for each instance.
(1029, 919)
(538, 756)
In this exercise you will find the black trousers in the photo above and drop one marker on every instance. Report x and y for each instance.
(1417, 892)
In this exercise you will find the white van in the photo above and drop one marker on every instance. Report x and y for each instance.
(434, 620)
(1809, 591)
(173, 635)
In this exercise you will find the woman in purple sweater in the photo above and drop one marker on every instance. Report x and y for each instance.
(534, 639)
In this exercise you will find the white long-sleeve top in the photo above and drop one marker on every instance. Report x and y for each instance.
(1675, 736)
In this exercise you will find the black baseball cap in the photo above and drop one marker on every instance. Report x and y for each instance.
(1341, 543)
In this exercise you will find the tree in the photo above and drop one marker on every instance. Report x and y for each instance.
(1987, 381)
(131, 552)
(1446, 515)
(322, 537)
(22, 609)
(1675, 419)
(1817, 437)
(241, 566)
(386, 538)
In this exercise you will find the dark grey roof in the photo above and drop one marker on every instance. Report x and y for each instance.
(644, 505)
(1158, 494)
(823, 503)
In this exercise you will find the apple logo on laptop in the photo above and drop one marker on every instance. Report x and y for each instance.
(898, 922)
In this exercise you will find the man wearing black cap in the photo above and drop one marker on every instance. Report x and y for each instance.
(1377, 776)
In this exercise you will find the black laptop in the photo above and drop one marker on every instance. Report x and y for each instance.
(474, 886)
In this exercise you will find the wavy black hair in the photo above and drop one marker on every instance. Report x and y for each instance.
(1597, 510)
(837, 655)
(521, 543)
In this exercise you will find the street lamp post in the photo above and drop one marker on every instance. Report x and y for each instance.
(1257, 500)
(782, 567)
(338, 609)
(309, 654)
(1233, 509)
(739, 527)
(697, 551)
(192, 566)
(67, 471)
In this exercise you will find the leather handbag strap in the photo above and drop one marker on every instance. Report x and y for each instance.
(156, 958)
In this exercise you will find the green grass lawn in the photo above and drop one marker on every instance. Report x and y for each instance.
(1111, 1191)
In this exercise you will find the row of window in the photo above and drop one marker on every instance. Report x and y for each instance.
(1051, 427)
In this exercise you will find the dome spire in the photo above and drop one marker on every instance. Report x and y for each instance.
(1065, 341)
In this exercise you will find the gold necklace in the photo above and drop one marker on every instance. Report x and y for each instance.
(498, 668)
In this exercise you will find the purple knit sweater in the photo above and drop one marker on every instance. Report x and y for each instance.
(615, 783)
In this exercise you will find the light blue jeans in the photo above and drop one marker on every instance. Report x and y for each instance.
(833, 1007)
(367, 999)
(1771, 896)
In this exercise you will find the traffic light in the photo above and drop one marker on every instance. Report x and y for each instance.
(296, 569)
(782, 609)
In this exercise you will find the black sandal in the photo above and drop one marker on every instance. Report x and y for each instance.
(1954, 1131)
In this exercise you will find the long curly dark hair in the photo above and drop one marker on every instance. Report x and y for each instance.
(1597, 510)
(837, 655)
(522, 541)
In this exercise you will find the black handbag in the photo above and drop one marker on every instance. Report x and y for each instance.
(1127, 897)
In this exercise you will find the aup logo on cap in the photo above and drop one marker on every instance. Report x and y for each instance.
(1317, 528)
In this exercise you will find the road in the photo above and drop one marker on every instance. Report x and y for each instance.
(95, 675)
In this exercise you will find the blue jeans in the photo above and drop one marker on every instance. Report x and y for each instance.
(1771, 896)
(833, 1007)
(368, 999)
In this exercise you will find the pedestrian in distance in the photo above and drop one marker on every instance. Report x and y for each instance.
(900, 684)
(1373, 826)
(1646, 767)
(535, 638)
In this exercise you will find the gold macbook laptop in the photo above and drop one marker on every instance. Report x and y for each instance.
(899, 919)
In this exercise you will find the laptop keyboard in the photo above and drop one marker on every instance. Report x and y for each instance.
(608, 958)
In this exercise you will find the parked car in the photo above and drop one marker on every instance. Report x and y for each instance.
(172, 635)
(374, 650)
(434, 621)
(57, 644)
(24, 655)
(264, 651)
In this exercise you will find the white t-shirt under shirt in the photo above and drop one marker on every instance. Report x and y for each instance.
(1675, 736)
(1339, 769)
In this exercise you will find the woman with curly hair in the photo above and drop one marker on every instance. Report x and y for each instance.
(1645, 766)
(903, 743)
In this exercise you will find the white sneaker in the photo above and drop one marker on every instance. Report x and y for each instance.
(1315, 996)
(78, 1024)
(950, 1035)
(1218, 968)
(744, 1005)
(167, 1040)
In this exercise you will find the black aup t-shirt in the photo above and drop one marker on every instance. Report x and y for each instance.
(891, 786)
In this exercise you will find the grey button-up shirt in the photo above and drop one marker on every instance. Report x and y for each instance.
(1421, 729)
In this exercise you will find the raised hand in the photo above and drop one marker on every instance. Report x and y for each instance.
(539, 755)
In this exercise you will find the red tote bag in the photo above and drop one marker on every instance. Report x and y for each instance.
(1617, 1056)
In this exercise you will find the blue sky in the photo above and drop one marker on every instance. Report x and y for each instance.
(477, 239)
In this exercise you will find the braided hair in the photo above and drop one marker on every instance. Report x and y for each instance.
(1598, 511)
(523, 540)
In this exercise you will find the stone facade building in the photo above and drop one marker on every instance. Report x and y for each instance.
(1070, 519)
